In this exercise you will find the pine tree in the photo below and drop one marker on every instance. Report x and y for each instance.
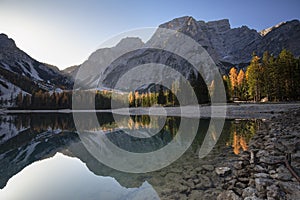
(254, 78)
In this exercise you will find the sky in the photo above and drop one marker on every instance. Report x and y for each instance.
(65, 33)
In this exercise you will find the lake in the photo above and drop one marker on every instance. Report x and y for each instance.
(42, 156)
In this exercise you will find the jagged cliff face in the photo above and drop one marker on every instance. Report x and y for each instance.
(236, 45)
(284, 35)
(227, 46)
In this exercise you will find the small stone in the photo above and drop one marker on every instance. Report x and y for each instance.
(228, 195)
(208, 167)
(243, 179)
(261, 175)
(259, 168)
(243, 173)
(273, 192)
(199, 169)
(205, 182)
(196, 181)
(190, 183)
(252, 198)
(262, 183)
(238, 165)
(274, 176)
(249, 192)
(240, 185)
(283, 174)
(183, 188)
(223, 171)
(176, 170)
(291, 189)
(196, 194)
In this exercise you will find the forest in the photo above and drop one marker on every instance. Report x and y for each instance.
(266, 79)
(269, 78)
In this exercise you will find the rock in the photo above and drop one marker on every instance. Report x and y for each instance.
(249, 192)
(196, 194)
(190, 183)
(198, 169)
(262, 183)
(176, 170)
(252, 198)
(229, 185)
(228, 195)
(183, 189)
(293, 189)
(238, 191)
(223, 171)
(208, 167)
(283, 174)
(243, 179)
(273, 192)
(167, 192)
(259, 168)
(243, 173)
(240, 185)
(239, 165)
(205, 182)
(261, 175)
(196, 181)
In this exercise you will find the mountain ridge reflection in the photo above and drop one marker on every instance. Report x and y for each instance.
(25, 139)
(74, 173)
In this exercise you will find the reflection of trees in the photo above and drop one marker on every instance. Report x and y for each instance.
(41, 122)
(145, 121)
(241, 132)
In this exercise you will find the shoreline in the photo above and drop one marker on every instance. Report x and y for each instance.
(228, 111)
(264, 171)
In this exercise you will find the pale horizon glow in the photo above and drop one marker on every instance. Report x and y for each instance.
(65, 33)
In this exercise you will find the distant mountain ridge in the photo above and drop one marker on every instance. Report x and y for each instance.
(21, 73)
(227, 46)
(236, 45)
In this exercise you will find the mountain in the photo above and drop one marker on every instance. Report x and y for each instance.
(227, 46)
(21, 73)
(236, 45)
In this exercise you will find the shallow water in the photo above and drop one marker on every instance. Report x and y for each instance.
(42, 156)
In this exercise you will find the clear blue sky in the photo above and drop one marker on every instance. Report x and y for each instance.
(65, 32)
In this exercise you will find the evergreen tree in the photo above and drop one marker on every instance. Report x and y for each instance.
(254, 78)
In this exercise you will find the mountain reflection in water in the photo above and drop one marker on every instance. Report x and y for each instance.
(28, 138)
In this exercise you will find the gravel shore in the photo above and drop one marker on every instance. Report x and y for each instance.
(270, 169)
(229, 111)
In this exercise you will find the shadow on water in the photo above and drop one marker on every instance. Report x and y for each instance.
(27, 138)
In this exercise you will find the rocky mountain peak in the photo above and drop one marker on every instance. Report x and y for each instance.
(179, 23)
(187, 23)
(6, 42)
(130, 42)
(267, 30)
(220, 25)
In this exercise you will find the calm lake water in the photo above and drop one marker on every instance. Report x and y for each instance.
(43, 157)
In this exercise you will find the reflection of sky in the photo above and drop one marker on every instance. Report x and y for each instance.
(62, 178)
